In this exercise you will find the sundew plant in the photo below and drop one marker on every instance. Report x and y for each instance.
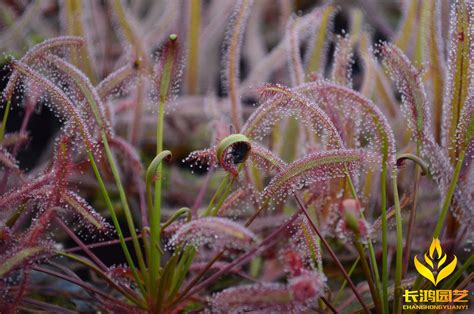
(230, 156)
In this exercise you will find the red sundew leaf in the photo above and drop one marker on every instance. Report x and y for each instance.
(304, 243)
(441, 170)
(115, 80)
(465, 128)
(129, 33)
(61, 169)
(7, 160)
(375, 82)
(17, 257)
(17, 195)
(343, 58)
(283, 102)
(300, 293)
(277, 57)
(312, 168)
(19, 28)
(233, 42)
(202, 158)
(265, 158)
(459, 69)
(64, 105)
(347, 101)
(269, 297)
(81, 208)
(406, 31)
(415, 107)
(437, 67)
(48, 46)
(49, 210)
(316, 57)
(218, 232)
(294, 56)
(85, 88)
(368, 63)
(15, 138)
(233, 201)
(168, 69)
(75, 24)
(409, 82)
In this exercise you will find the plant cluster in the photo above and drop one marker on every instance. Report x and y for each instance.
(239, 156)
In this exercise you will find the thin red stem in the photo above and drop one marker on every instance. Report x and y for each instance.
(331, 252)
(97, 245)
(80, 243)
(51, 308)
(328, 305)
(202, 193)
(78, 282)
(244, 258)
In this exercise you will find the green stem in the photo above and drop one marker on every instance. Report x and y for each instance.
(111, 282)
(399, 246)
(454, 277)
(226, 193)
(373, 259)
(110, 207)
(74, 23)
(331, 252)
(444, 210)
(344, 283)
(368, 274)
(126, 208)
(193, 46)
(317, 247)
(383, 183)
(4, 121)
(449, 196)
(176, 215)
(128, 32)
(155, 219)
(223, 184)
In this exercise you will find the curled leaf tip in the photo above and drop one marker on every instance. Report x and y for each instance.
(152, 169)
(233, 150)
(415, 159)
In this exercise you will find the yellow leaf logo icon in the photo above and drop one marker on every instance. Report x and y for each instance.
(430, 272)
